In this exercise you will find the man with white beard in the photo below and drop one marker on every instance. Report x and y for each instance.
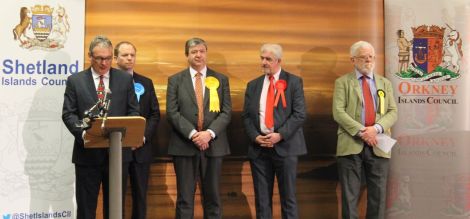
(363, 106)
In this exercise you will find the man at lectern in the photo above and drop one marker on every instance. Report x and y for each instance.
(83, 90)
(199, 109)
(363, 107)
(139, 167)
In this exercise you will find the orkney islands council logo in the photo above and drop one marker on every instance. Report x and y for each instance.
(42, 27)
(436, 54)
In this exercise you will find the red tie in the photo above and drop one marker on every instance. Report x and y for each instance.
(100, 89)
(269, 111)
(368, 103)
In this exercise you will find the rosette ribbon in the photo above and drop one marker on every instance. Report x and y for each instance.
(212, 84)
(381, 94)
(281, 86)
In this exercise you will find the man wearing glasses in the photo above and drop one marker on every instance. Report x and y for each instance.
(363, 106)
(82, 91)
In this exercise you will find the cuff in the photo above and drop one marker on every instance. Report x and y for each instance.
(212, 133)
(359, 133)
(192, 133)
(378, 128)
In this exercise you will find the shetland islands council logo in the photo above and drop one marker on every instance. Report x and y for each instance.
(42, 27)
(436, 54)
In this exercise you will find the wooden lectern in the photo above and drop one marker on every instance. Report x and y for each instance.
(115, 133)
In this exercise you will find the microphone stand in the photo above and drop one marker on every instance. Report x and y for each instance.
(105, 108)
(105, 112)
(88, 117)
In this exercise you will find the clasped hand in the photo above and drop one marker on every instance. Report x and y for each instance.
(268, 140)
(201, 139)
(368, 135)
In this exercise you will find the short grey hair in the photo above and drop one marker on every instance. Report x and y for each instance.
(274, 48)
(193, 42)
(359, 44)
(101, 41)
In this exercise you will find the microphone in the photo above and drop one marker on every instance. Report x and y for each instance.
(107, 99)
(101, 107)
(105, 109)
(88, 116)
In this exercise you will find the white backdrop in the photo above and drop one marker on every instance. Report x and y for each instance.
(36, 173)
(430, 167)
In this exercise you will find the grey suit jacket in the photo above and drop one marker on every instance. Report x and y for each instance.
(182, 112)
(287, 121)
(80, 94)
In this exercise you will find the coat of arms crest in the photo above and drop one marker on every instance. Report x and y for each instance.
(42, 27)
(436, 53)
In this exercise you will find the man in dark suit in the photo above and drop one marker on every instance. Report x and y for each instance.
(82, 91)
(273, 114)
(139, 167)
(199, 109)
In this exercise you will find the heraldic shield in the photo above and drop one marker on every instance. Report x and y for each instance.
(42, 21)
(427, 47)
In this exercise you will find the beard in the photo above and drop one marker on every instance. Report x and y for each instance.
(366, 68)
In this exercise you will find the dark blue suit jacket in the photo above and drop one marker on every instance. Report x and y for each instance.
(150, 110)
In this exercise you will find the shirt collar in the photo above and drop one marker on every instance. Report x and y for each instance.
(96, 75)
(359, 75)
(276, 75)
(193, 72)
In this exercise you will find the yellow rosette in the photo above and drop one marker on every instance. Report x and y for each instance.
(212, 84)
(381, 94)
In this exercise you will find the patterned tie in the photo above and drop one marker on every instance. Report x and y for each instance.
(368, 103)
(269, 111)
(100, 89)
(199, 100)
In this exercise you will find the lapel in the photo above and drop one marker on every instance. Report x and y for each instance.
(257, 96)
(137, 79)
(279, 108)
(188, 85)
(379, 83)
(357, 87)
(209, 73)
(90, 82)
(112, 79)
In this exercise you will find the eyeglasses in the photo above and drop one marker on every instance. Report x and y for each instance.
(101, 59)
(363, 58)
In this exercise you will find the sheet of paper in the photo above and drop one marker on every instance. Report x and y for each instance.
(385, 142)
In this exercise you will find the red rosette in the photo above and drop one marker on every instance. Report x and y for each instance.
(281, 86)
